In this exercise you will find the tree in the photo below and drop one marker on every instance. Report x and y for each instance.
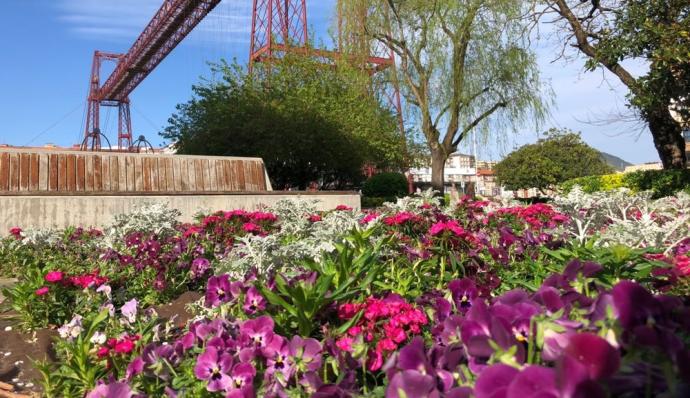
(610, 32)
(559, 157)
(464, 66)
(309, 122)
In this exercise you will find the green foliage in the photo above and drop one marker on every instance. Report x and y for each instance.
(350, 271)
(466, 66)
(386, 185)
(658, 31)
(561, 156)
(308, 122)
(661, 183)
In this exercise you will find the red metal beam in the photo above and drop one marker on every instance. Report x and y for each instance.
(171, 24)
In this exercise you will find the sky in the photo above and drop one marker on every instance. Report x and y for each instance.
(46, 49)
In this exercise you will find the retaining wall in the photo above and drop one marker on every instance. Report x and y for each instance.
(60, 211)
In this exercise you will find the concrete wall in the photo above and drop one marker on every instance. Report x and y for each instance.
(29, 212)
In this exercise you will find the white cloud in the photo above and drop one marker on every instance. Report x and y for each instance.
(123, 20)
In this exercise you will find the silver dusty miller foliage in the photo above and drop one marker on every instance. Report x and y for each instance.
(297, 239)
(621, 217)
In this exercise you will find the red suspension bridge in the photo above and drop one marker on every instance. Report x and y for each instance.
(278, 27)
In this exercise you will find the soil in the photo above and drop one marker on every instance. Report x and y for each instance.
(18, 350)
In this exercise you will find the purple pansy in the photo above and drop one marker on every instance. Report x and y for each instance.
(218, 291)
(214, 367)
(253, 301)
(112, 390)
(305, 354)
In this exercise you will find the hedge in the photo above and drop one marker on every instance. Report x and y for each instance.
(660, 182)
(384, 187)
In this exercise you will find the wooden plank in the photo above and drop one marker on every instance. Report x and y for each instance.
(88, 173)
(105, 173)
(4, 171)
(180, 174)
(199, 170)
(238, 175)
(153, 163)
(43, 172)
(62, 173)
(24, 163)
(220, 176)
(33, 172)
(264, 183)
(162, 180)
(169, 174)
(97, 173)
(71, 165)
(53, 165)
(229, 179)
(191, 175)
(81, 173)
(131, 173)
(138, 174)
(114, 174)
(146, 173)
(209, 175)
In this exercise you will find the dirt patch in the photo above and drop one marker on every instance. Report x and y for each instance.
(178, 307)
(19, 351)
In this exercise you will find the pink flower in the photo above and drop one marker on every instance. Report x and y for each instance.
(369, 218)
(124, 347)
(263, 216)
(251, 227)
(42, 291)
(102, 352)
(344, 343)
(400, 218)
(16, 232)
(451, 226)
(54, 276)
(683, 265)
(315, 218)
(343, 208)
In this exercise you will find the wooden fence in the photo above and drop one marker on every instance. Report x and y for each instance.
(38, 171)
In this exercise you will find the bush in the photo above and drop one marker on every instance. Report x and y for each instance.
(386, 185)
(661, 183)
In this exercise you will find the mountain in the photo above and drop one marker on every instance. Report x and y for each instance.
(615, 162)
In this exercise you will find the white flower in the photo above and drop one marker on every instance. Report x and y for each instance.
(72, 329)
(105, 289)
(98, 338)
(129, 310)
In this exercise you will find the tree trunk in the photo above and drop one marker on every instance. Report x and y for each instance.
(668, 139)
(438, 164)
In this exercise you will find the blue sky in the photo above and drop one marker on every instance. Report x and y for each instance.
(46, 47)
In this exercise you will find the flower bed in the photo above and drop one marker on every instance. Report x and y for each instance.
(412, 300)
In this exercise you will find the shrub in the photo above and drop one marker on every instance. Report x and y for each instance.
(661, 182)
(386, 185)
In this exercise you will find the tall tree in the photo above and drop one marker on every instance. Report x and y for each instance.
(560, 156)
(464, 66)
(610, 32)
(309, 122)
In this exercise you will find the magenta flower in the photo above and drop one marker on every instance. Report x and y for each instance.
(464, 293)
(257, 332)
(305, 354)
(42, 291)
(214, 367)
(54, 276)
(217, 291)
(16, 232)
(253, 301)
(242, 380)
(494, 381)
(343, 208)
(112, 390)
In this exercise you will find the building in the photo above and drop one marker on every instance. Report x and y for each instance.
(464, 174)
(644, 166)
(460, 172)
